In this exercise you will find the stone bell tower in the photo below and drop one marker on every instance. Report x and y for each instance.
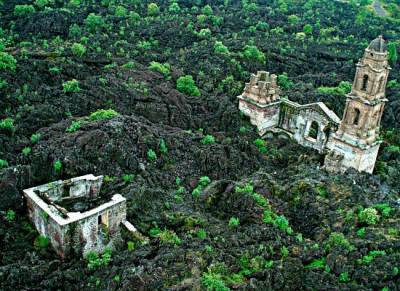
(356, 143)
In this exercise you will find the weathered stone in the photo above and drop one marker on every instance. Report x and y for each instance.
(350, 143)
(73, 232)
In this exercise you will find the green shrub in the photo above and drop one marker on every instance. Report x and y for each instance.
(186, 85)
(127, 178)
(204, 181)
(94, 22)
(21, 10)
(95, 261)
(361, 232)
(384, 209)
(260, 200)
(284, 251)
(75, 125)
(26, 151)
(344, 277)
(248, 188)
(208, 139)
(7, 62)
(121, 11)
(151, 155)
(103, 114)
(308, 29)
(283, 224)
(71, 86)
(75, 2)
(78, 49)
(41, 3)
(174, 8)
(284, 81)
(369, 216)
(152, 9)
(316, 264)
(7, 124)
(57, 166)
(207, 10)
(234, 222)
(10, 215)
(252, 53)
(169, 237)
(220, 48)
(343, 88)
(35, 137)
(196, 191)
(201, 233)
(3, 164)
(161, 68)
(213, 281)
(337, 239)
(268, 216)
(41, 242)
(163, 147)
(367, 259)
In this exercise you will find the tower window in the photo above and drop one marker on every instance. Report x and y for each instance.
(364, 83)
(313, 132)
(357, 114)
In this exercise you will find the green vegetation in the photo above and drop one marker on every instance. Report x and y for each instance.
(186, 85)
(3, 164)
(71, 86)
(78, 49)
(343, 88)
(252, 53)
(208, 139)
(103, 114)
(161, 68)
(75, 125)
(151, 155)
(7, 124)
(57, 166)
(26, 151)
(41, 242)
(10, 215)
(7, 62)
(234, 222)
(22, 10)
(96, 261)
(369, 216)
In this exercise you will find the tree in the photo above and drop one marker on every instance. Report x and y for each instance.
(308, 29)
(78, 49)
(7, 62)
(207, 10)
(186, 85)
(293, 19)
(152, 9)
(253, 53)
(174, 8)
(392, 49)
(21, 10)
(94, 22)
(220, 48)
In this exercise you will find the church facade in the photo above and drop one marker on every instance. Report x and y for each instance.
(352, 142)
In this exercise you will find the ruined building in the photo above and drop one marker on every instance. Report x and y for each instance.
(73, 216)
(350, 142)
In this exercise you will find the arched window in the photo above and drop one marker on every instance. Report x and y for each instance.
(357, 114)
(313, 132)
(364, 83)
(380, 86)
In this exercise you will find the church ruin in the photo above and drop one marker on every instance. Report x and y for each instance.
(74, 217)
(352, 142)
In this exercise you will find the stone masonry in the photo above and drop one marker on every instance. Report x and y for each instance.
(352, 142)
(67, 214)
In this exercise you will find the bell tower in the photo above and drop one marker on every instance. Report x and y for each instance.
(356, 142)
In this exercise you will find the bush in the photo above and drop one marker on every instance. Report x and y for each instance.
(75, 125)
(174, 8)
(26, 151)
(213, 281)
(161, 68)
(103, 114)
(163, 147)
(186, 85)
(152, 9)
(337, 239)
(10, 215)
(21, 10)
(208, 139)
(220, 48)
(95, 261)
(121, 11)
(57, 166)
(71, 86)
(204, 181)
(7, 124)
(369, 216)
(41, 3)
(3, 164)
(151, 155)
(284, 82)
(252, 53)
(94, 22)
(78, 49)
(7, 62)
(41, 242)
(169, 237)
(234, 222)
(35, 137)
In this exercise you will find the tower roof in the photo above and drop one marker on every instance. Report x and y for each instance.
(378, 45)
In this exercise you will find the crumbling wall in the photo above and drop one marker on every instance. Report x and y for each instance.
(90, 234)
